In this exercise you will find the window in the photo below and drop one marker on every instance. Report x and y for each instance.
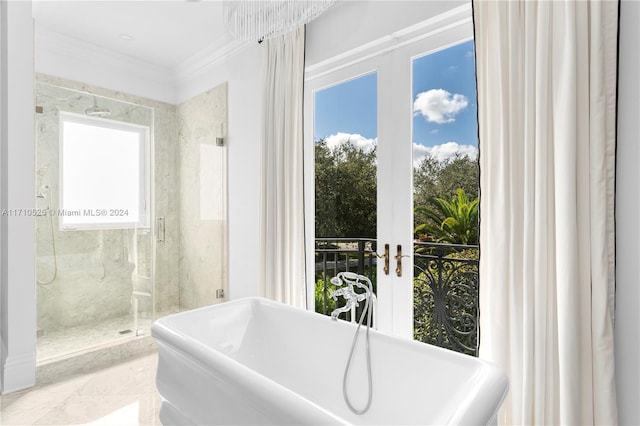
(102, 173)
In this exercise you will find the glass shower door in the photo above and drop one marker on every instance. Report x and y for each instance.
(94, 233)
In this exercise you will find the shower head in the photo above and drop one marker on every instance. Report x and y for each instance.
(96, 111)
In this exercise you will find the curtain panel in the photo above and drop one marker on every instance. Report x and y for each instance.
(546, 73)
(282, 259)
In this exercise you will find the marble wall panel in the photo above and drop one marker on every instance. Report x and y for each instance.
(203, 198)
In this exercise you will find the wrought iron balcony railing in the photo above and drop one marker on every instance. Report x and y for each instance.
(445, 286)
(445, 296)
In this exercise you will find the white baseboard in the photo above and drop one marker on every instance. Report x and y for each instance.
(18, 372)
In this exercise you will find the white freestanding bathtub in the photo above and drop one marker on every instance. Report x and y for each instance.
(255, 361)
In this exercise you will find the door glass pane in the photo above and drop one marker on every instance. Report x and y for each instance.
(446, 199)
(345, 138)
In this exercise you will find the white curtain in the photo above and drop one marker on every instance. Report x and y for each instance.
(546, 75)
(282, 205)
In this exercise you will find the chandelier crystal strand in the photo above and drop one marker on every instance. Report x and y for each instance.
(260, 19)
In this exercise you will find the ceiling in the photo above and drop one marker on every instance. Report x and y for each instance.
(163, 32)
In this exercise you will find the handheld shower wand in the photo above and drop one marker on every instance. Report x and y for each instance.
(43, 193)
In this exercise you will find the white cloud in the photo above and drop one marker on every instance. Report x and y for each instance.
(419, 153)
(443, 152)
(354, 139)
(439, 106)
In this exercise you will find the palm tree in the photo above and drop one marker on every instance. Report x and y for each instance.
(454, 221)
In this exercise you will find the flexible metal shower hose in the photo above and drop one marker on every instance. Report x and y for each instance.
(366, 311)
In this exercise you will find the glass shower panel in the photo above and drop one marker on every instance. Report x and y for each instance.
(94, 264)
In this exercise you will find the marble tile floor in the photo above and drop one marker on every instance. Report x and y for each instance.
(74, 340)
(122, 394)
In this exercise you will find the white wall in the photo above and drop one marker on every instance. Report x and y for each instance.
(17, 152)
(627, 326)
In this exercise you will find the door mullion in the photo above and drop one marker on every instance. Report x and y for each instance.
(385, 195)
(402, 184)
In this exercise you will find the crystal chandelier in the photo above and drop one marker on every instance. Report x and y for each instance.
(260, 19)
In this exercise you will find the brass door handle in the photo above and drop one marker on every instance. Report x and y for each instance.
(385, 256)
(398, 258)
(386, 259)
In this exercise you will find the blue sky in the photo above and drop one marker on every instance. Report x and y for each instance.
(444, 95)
(349, 107)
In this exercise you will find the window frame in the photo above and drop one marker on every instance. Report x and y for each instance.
(144, 133)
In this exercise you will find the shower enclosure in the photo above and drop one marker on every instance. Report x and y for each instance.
(94, 220)
(131, 225)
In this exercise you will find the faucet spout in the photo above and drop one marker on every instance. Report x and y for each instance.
(349, 282)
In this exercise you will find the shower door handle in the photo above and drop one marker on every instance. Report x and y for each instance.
(160, 230)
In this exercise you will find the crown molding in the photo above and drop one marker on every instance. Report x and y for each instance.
(68, 57)
(207, 59)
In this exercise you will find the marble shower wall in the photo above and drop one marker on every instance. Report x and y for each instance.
(98, 270)
(203, 198)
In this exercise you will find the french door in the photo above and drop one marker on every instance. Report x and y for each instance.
(330, 89)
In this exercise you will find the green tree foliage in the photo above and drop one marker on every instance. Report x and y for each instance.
(440, 180)
(345, 183)
(433, 178)
(452, 221)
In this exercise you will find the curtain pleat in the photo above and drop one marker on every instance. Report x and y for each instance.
(546, 73)
(282, 259)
